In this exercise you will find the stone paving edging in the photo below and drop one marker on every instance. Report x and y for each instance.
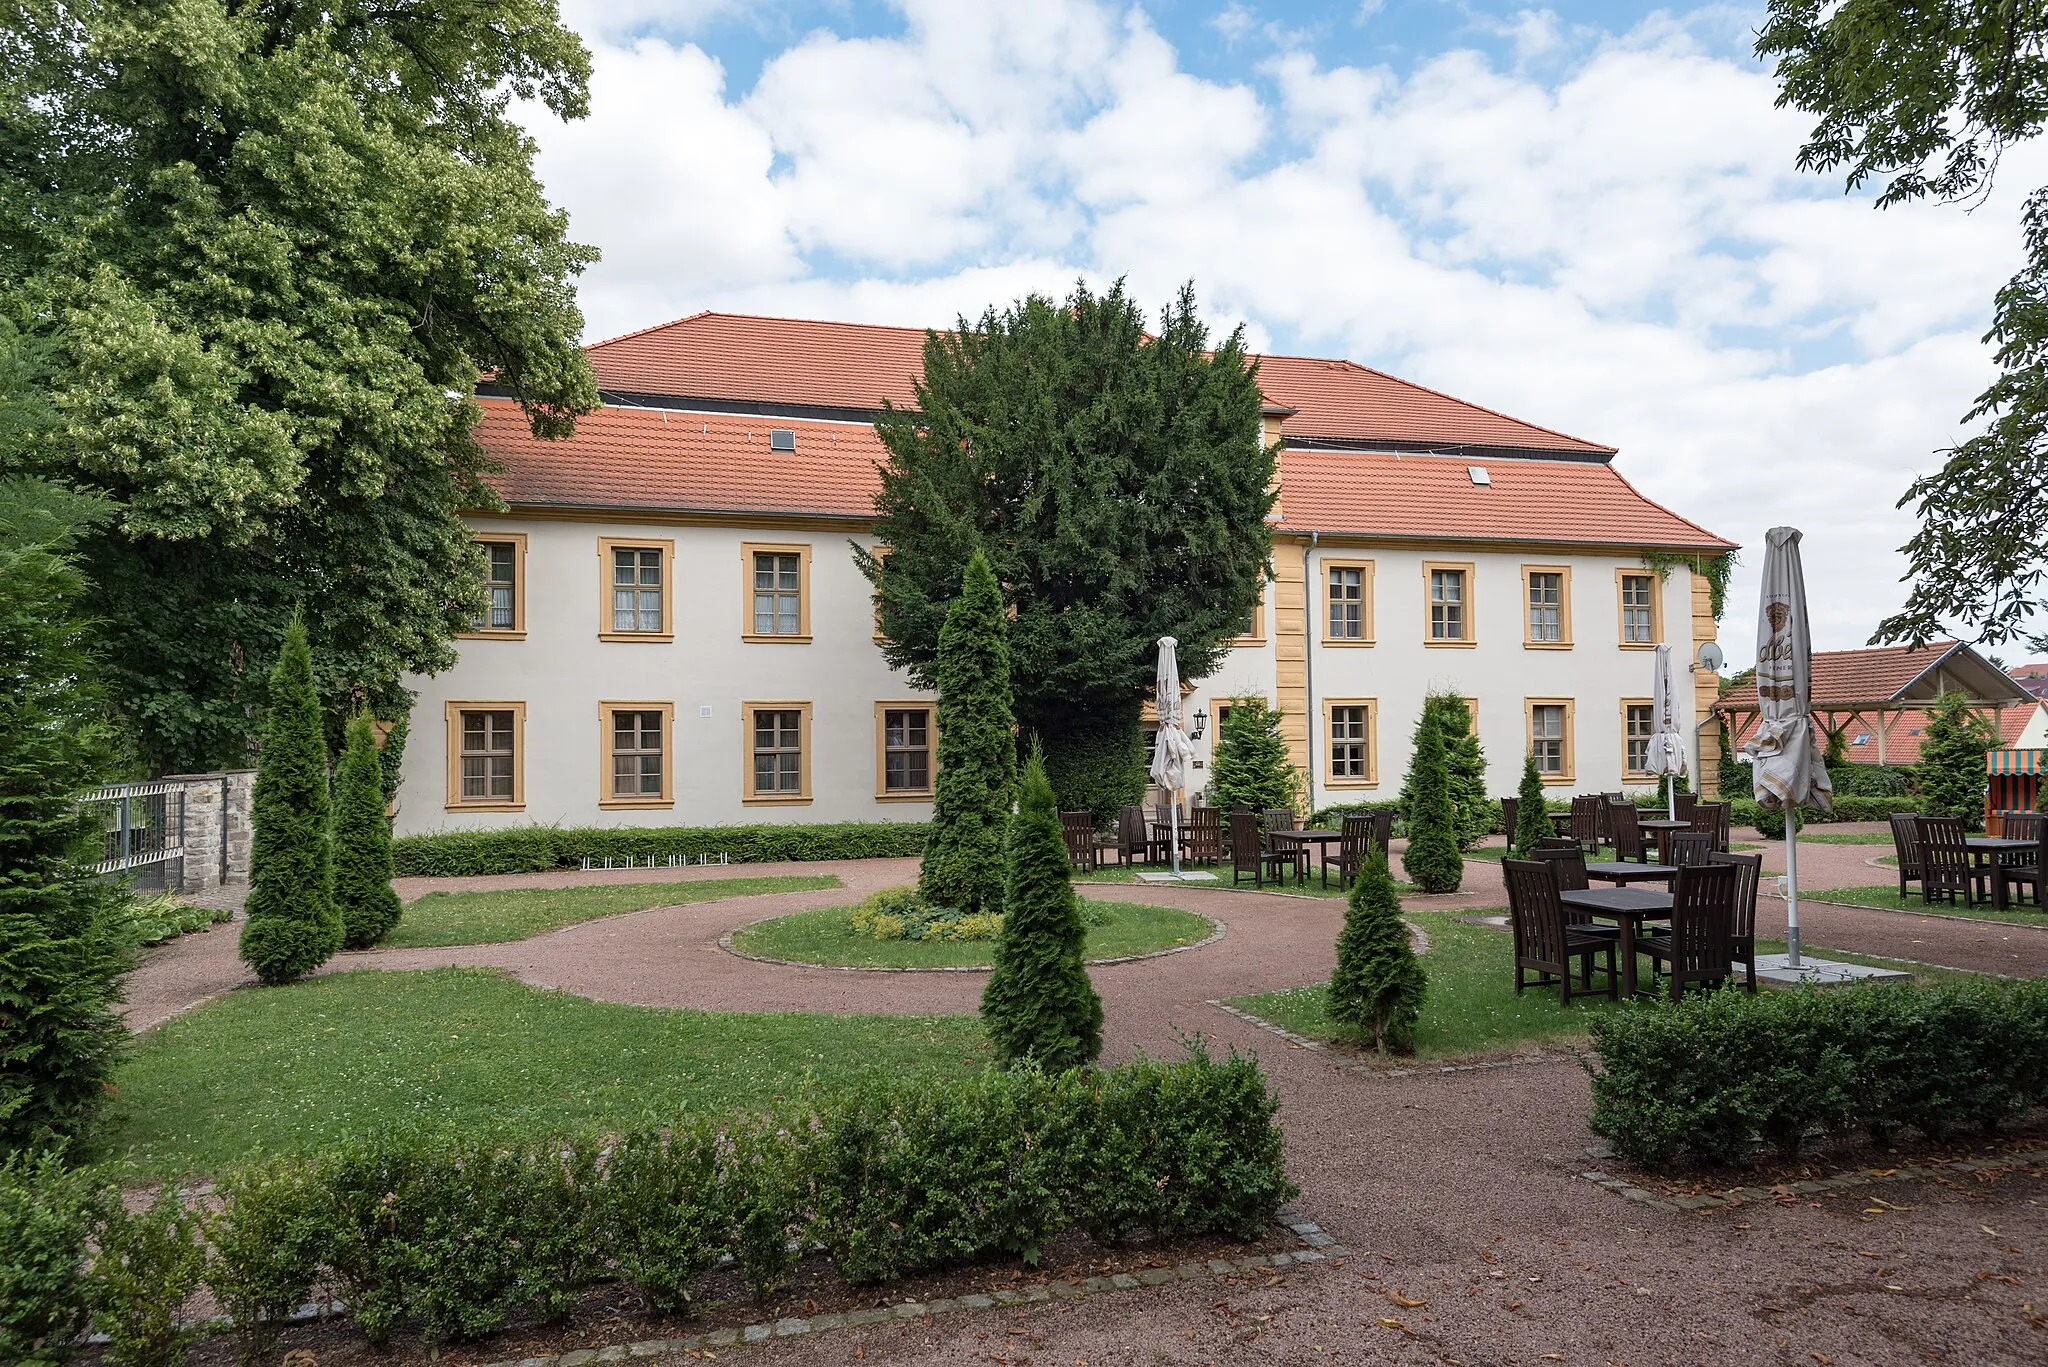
(1860, 1177)
(1316, 1247)
(1322, 1047)
(725, 943)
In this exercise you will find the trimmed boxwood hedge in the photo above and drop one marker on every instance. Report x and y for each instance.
(1714, 1075)
(529, 849)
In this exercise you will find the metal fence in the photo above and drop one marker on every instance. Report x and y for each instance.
(143, 826)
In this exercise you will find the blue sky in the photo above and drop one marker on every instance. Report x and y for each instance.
(1588, 215)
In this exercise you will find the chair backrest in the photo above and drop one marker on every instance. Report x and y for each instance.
(1205, 842)
(1282, 819)
(1079, 830)
(1684, 805)
(2023, 826)
(1510, 815)
(1702, 924)
(1557, 842)
(1944, 853)
(1246, 840)
(1906, 843)
(1628, 836)
(1586, 819)
(1355, 844)
(1749, 872)
(1536, 914)
(1568, 865)
(1132, 836)
(1607, 801)
(1685, 848)
(1383, 830)
(1164, 811)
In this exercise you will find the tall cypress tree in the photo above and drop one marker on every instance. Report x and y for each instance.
(1250, 766)
(292, 927)
(1039, 1004)
(1951, 768)
(1432, 859)
(1532, 818)
(977, 778)
(1465, 768)
(1378, 984)
(363, 896)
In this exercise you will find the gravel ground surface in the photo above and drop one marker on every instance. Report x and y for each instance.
(1458, 1189)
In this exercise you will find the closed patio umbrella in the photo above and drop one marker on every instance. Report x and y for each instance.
(1667, 746)
(1172, 750)
(1786, 764)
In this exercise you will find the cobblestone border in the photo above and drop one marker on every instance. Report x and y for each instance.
(1322, 1047)
(1860, 1177)
(725, 943)
(1315, 1247)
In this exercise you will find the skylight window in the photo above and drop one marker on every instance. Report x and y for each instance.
(781, 439)
(1479, 476)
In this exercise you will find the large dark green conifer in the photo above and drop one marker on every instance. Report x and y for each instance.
(1378, 985)
(1951, 768)
(1432, 859)
(1039, 1004)
(977, 778)
(1532, 818)
(1250, 767)
(363, 896)
(292, 927)
(1465, 767)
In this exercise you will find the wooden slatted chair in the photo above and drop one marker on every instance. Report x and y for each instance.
(1906, 849)
(1699, 947)
(1683, 806)
(1510, 813)
(1545, 943)
(1587, 828)
(1205, 836)
(1568, 866)
(1284, 819)
(1356, 846)
(1749, 873)
(1383, 831)
(2004, 877)
(1711, 818)
(1685, 848)
(1134, 842)
(1079, 830)
(1248, 852)
(1622, 819)
(1945, 869)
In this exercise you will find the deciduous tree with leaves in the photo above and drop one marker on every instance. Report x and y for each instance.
(1116, 481)
(273, 247)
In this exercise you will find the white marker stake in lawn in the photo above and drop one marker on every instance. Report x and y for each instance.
(1667, 747)
(1785, 763)
(1172, 750)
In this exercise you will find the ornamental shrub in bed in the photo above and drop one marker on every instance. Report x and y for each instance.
(1711, 1077)
(47, 1215)
(529, 849)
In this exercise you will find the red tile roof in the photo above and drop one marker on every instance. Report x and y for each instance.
(628, 455)
(1871, 675)
(1383, 495)
(1902, 742)
(698, 462)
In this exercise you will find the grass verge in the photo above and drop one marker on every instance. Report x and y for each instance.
(824, 937)
(483, 918)
(1887, 898)
(1472, 1007)
(283, 1070)
(1313, 887)
(1809, 836)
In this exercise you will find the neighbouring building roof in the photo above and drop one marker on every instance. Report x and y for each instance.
(1902, 745)
(689, 403)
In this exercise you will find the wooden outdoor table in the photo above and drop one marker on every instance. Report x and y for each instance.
(1624, 873)
(1659, 827)
(1322, 839)
(1561, 823)
(1628, 906)
(1987, 850)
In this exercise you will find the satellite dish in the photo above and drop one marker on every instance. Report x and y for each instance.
(1711, 658)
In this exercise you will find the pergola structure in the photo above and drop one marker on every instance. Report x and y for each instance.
(1879, 685)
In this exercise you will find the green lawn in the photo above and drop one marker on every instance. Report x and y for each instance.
(1808, 835)
(482, 918)
(281, 1070)
(1471, 1007)
(1887, 897)
(824, 937)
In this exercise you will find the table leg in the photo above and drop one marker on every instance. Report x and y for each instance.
(1627, 950)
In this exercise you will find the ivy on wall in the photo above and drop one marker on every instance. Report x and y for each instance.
(1715, 569)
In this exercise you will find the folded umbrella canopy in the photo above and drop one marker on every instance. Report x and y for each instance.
(1172, 750)
(1786, 764)
(1667, 746)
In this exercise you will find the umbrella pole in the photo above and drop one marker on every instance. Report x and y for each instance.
(1792, 887)
(1671, 796)
(1174, 798)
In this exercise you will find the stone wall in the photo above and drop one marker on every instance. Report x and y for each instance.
(216, 819)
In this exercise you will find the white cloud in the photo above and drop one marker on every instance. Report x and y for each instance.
(1613, 240)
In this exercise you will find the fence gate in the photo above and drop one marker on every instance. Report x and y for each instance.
(143, 832)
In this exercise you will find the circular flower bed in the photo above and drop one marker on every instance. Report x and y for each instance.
(892, 929)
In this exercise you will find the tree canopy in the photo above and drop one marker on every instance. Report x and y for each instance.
(273, 247)
(1925, 99)
(1115, 480)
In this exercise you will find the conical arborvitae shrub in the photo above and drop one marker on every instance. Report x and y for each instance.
(1378, 985)
(292, 927)
(1432, 859)
(1250, 767)
(1039, 1004)
(977, 778)
(1532, 818)
(363, 896)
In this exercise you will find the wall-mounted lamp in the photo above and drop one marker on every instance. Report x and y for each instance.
(1201, 725)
